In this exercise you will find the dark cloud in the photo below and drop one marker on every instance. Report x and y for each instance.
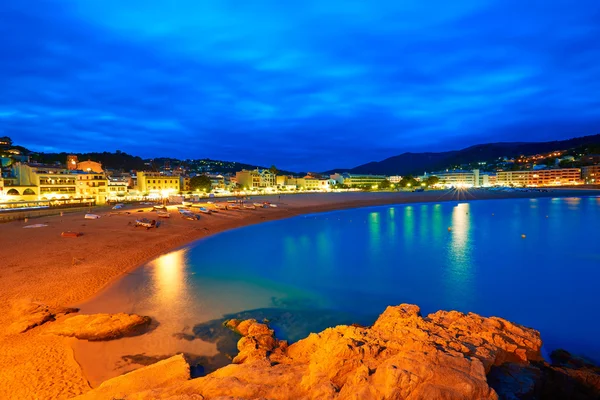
(306, 87)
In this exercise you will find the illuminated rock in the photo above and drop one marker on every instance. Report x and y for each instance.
(100, 326)
(170, 372)
(28, 315)
(403, 355)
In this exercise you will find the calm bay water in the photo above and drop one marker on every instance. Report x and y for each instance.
(309, 272)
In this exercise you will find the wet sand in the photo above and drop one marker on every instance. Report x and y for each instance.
(39, 265)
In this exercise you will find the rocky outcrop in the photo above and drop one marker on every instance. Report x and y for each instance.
(28, 315)
(567, 377)
(402, 356)
(166, 373)
(100, 326)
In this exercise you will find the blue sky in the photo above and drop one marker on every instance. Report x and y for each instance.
(308, 85)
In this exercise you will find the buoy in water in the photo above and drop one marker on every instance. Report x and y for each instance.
(523, 236)
(449, 229)
(492, 214)
(546, 216)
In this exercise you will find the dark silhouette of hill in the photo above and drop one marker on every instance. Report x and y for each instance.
(418, 163)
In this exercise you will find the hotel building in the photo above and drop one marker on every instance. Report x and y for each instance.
(591, 174)
(308, 183)
(92, 185)
(355, 180)
(460, 178)
(44, 181)
(153, 183)
(117, 188)
(542, 177)
(256, 178)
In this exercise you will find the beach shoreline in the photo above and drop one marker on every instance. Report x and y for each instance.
(40, 265)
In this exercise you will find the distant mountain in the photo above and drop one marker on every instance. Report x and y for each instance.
(418, 163)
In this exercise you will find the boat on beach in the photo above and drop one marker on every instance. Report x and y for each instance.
(91, 216)
(185, 214)
(204, 210)
(163, 214)
(145, 223)
(250, 206)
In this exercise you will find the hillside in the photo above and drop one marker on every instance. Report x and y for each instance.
(418, 163)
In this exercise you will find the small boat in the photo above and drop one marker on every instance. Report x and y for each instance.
(163, 214)
(259, 205)
(145, 223)
(250, 206)
(273, 205)
(187, 203)
(188, 215)
(159, 208)
(35, 226)
(71, 234)
(91, 216)
(234, 206)
(221, 206)
(118, 206)
(204, 210)
(232, 201)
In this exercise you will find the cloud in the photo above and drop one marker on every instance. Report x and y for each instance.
(310, 86)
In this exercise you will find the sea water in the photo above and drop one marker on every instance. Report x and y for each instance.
(535, 262)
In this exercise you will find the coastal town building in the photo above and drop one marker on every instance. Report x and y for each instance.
(591, 174)
(184, 183)
(117, 188)
(513, 178)
(92, 185)
(5, 141)
(90, 166)
(43, 180)
(460, 178)
(156, 184)
(305, 183)
(356, 180)
(394, 179)
(72, 162)
(256, 179)
(543, 177)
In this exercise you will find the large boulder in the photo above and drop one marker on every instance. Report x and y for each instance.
(101, 326)
(170, 372)
(28, 315)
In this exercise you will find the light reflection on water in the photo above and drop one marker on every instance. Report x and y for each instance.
(347, 266)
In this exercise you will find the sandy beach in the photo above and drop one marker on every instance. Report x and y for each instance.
(38, 265)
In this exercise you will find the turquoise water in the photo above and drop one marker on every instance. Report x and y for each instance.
(308, 272)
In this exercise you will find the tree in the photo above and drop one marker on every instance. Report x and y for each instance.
(273, 170)
(432, 180)
(408, 180)
(201, 182)
(385, 184)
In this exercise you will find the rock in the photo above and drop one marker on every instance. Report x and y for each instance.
(445, 355)
(31, 314)
(570, 377)
(101, 326)
(516, 381)
(257, 343)
(172, 371)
